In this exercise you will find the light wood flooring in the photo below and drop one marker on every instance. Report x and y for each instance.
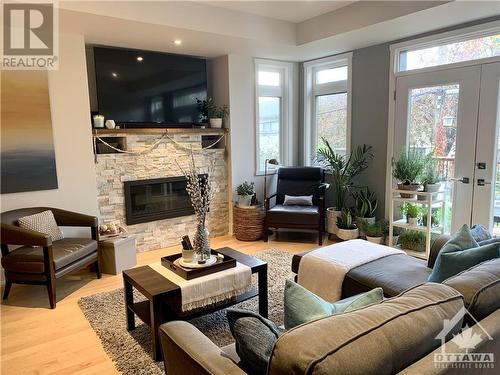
(38, 340)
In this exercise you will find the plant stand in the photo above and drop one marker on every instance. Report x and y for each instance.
(432, 200)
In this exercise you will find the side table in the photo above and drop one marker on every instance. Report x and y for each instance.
(248, 223)
(117, 254)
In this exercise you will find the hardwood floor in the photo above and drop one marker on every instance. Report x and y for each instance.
(38, 340)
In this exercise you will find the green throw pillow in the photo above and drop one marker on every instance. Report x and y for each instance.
(452, 263)
(302, 306)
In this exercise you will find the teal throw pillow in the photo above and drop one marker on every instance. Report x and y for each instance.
(452, 263)
(302, 306)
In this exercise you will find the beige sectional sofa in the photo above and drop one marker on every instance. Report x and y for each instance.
(399, 335)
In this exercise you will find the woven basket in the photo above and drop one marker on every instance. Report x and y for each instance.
(248, 223)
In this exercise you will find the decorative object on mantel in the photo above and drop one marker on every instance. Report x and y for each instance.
(248, 222)
(245, 192)
(199, 189)
(27, 156)
(110, 124)
(98, 121)
(215, 114)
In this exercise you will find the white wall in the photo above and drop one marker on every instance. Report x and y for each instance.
(69, 102)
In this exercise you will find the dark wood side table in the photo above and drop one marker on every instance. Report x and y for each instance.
(163, 302)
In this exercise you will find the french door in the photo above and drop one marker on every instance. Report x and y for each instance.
(453, 113)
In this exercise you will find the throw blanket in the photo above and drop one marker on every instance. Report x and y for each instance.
(207, 290)
(322, 271)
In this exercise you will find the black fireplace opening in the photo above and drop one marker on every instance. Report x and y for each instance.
(156, 199)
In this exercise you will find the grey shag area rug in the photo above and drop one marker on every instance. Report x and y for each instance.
(131, 351)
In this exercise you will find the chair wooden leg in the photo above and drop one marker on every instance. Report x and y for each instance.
(51, 288)
(266, 233)
(97, 266)
(320, 237)
(6, 290)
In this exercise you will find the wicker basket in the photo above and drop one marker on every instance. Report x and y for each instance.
(248, 223)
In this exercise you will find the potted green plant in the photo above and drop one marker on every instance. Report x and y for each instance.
(396, 232)
(374, 232)
(346, 229)
(412, 213)
(343, 169)
(366, 205)
(407, 169)
(431, 178)
(415, 240)
(245, 193)
(436, 213)
(216, 114)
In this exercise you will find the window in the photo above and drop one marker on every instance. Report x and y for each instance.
(273, 112)
(327, 99)
(450, 52)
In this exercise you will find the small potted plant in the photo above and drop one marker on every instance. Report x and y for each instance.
(366, 205)
(245, 193)
(412, 213)
(407, 169)
(216, 114)
(434, 217)
(396, 232)
(346, 229)
(431, 178)
(374, 232)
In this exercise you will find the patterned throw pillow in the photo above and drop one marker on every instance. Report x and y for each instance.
(43, 222)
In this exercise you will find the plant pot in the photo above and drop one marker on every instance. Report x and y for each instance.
(244, 200)
(367, 220)
(409, 187)
(422, 197)
(347, 234)
(413, 221)
(432, 188)
(377, 240)
(394, 241)
(216, 123)
(331, 219)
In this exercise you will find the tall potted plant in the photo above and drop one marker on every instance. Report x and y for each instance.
(366, 205)
(343, 170)
(407, 169)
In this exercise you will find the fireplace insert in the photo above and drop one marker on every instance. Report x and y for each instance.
(156, 199)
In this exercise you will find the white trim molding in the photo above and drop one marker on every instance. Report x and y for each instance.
(313, 89)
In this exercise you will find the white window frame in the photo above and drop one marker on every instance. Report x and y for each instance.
(458, 35)
(285, 92)
(312, 89)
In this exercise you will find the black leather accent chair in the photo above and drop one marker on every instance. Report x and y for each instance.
(40, 260)
(298, 181)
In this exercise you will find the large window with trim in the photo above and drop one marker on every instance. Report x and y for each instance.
(272, 111)
(327, 96)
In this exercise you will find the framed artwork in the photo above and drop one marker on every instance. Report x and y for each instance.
(27, 155)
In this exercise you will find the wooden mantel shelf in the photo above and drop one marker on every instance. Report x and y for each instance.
(207, 131)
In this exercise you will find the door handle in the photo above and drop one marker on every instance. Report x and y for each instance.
(481, 182)
(463, 180)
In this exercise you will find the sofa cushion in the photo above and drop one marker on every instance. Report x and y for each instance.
(490, 241)
(255, 337)
(480, 286)
(451, 263)
(383, 338)
(480, 233)
(293, 214)
(28, 259)
(299, 200)
(43, 222)
(393, 273)
(302, 306)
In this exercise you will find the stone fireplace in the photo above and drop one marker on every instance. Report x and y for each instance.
(157, 209)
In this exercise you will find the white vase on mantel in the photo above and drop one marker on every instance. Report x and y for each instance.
(216, 123)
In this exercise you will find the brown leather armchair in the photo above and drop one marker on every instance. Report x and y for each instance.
(40, 260)
(298, 181)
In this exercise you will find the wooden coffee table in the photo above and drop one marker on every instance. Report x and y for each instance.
(163, 302)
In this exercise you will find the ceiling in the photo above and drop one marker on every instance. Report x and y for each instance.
(291, 11)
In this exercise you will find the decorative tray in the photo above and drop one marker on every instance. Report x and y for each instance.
(172, 263)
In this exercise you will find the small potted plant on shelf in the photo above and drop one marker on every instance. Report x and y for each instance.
(396, 232)
(346, 229)
(431, 178)
(407, 170)
(245, 193)
(343, 169)
(216, 114)
(412, 213)
(374, 232)
(366, 205)
(434, 217)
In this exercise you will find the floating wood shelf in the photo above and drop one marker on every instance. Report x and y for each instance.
(207, 131)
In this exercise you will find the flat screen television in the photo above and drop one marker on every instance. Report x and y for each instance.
(144, 88)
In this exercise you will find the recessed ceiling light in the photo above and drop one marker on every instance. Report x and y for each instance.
(114, 74)
(139, 58)
(177, 42)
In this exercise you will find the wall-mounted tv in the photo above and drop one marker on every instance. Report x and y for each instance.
(144, 88)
